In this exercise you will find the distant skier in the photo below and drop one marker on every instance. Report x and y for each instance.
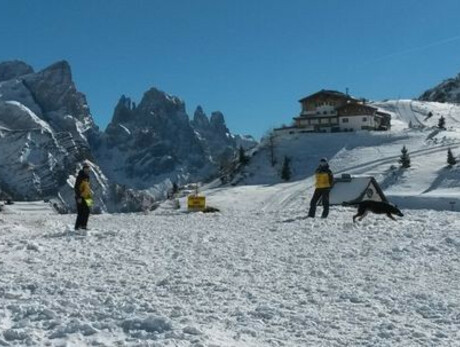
(324, 180)
(83, 197)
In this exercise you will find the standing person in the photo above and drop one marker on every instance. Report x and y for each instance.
(324, 180)
(83, 197)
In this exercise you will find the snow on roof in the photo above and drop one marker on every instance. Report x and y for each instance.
(327, 92)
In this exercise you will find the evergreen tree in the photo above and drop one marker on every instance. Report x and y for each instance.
(242, 157)
(450, 158)
(442, 123)
(286, 170)
(404, 159)
(175, 188)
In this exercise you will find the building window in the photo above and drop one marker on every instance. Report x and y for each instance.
(344, 120)
(364, 119)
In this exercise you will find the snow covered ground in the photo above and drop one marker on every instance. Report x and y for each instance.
(242, 277)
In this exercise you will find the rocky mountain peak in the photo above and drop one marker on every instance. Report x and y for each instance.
(156, 141)
(45, 123)
(58, 73)
(14, 69)
(54, 91)
(156, 101)
(123, 110)
(200, 120)
(217, 122)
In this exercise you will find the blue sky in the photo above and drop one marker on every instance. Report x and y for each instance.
(252, 60)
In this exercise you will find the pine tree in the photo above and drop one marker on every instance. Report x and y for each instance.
(442, 123)
(450, 158)
(175, 188)
(404, 159)
(286, 170)
(242, 157)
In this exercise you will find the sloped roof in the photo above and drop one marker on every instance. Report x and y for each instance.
(383, 114)
(354, 190)
(328, 92)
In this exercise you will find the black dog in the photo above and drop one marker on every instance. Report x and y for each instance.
(378, 207)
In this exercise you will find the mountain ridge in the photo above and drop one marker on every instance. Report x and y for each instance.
(446, 91)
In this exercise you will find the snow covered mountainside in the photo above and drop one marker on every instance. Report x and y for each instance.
(44, 129)
(155, 143)
(428, 183)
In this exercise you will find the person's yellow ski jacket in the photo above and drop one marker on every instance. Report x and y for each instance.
(324, 177)
(82, 186)
(85, 189)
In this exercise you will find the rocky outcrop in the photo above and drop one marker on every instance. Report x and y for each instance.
(42, 123)
(247, 142)
(447, 91)
(45, 124)
(147, 144)
(214, 135)
(156, 143)
(14, 69)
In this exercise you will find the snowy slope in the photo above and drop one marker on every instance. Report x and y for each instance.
(429, 183)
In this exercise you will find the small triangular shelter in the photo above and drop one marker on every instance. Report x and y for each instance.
(353, 189)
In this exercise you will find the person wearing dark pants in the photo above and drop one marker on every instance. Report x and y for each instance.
(82, 197)
(324, 180)
(82, 214)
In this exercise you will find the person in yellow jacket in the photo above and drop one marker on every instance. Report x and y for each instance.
(83, 197)
(324, 181)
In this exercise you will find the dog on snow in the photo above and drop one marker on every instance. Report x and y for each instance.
(378, 207)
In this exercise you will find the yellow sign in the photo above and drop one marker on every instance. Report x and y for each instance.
(196, 202)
